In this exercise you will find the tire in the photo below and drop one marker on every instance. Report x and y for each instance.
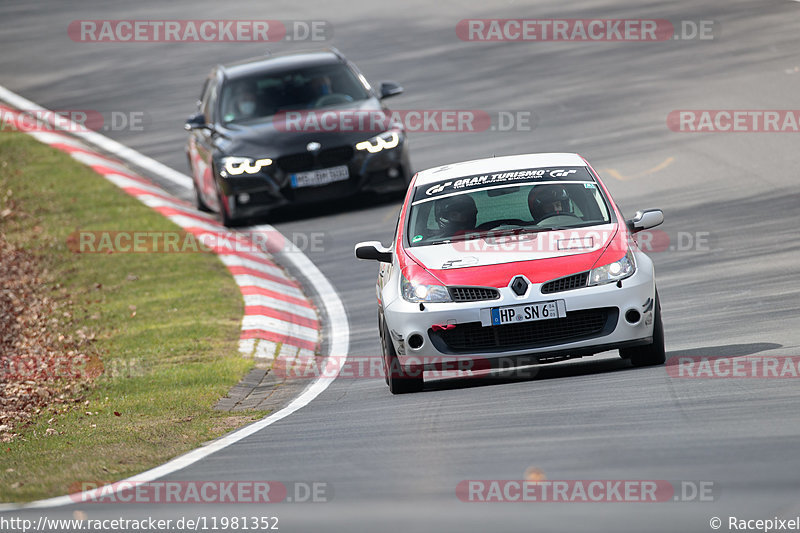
(198, 200)
(650, 354)
(399, 381)
(223, 216)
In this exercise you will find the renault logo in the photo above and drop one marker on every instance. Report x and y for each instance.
(313, 146)
(519, 286)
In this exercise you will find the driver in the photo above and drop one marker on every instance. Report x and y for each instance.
(321, 86)
(548, 200)
(456, 214)
(246, 101)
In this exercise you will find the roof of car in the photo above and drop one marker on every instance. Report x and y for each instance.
(498, 164)
(282, 61)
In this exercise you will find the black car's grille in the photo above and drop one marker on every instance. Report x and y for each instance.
(567, 283)
(473, 294)
(330, 157)
(577, 325)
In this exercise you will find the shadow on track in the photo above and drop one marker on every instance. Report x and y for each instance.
(567, 369)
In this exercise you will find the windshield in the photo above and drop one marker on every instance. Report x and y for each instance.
(528, 207)
(256, 97)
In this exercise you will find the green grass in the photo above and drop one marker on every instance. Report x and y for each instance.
(165, 367)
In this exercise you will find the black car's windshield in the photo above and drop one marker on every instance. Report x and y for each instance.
(256, 97)
(523, 208)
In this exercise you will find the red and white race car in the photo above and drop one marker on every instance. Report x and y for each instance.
(513, 261)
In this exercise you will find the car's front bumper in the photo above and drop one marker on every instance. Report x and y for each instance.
(252, 195)
(595, 322)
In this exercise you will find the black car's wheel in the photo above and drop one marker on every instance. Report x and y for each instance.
(223, 216)
(400, 381)
(198, 199)
(650, 354)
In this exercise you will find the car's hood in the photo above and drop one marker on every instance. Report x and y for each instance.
(493, 262)
(277, 136)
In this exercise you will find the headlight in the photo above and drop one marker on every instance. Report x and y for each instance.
(616, 271)
(235, 166)
(417, 292)
(384, 141)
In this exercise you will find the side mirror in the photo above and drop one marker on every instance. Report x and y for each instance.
(195, 122)
(390, 88)
(649, 218)
(373, 251)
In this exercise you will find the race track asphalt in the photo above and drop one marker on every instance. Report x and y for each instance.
(729, 279)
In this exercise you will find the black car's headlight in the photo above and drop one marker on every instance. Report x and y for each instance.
(616, 271)
(236, 166)
(384, 141)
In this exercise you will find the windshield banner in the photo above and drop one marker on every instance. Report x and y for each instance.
(499, 179)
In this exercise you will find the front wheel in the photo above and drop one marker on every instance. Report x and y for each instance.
(198, 200)
(223, 216)
(650, 354)
(400, 381)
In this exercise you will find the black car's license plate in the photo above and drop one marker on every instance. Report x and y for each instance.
(315, 178)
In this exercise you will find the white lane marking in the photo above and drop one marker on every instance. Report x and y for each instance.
(252, 300)
(191, 222)
(265, 349)
(328, 297)
(235, 260)
(95, 160)
(246, 280)
(153, 201)
(122, 182)
(56, 138)
(246, 346)
(104, 143)
(281, 327)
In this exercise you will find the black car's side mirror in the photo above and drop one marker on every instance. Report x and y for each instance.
(373, 251)
(390, 88)
(649, 218)
(195, 122)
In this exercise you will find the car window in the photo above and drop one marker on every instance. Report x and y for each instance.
(531, 207)
(260, 96)
(209, 101)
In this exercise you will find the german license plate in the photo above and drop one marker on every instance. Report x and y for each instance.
(524, 313)
(315, 178)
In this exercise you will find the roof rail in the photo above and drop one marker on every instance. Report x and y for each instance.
(337, 53)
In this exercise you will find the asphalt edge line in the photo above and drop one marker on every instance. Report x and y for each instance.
(338, 327)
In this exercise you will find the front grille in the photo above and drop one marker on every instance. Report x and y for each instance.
(577, 325)
(331, 157)
(473, 294)
(575, 281)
